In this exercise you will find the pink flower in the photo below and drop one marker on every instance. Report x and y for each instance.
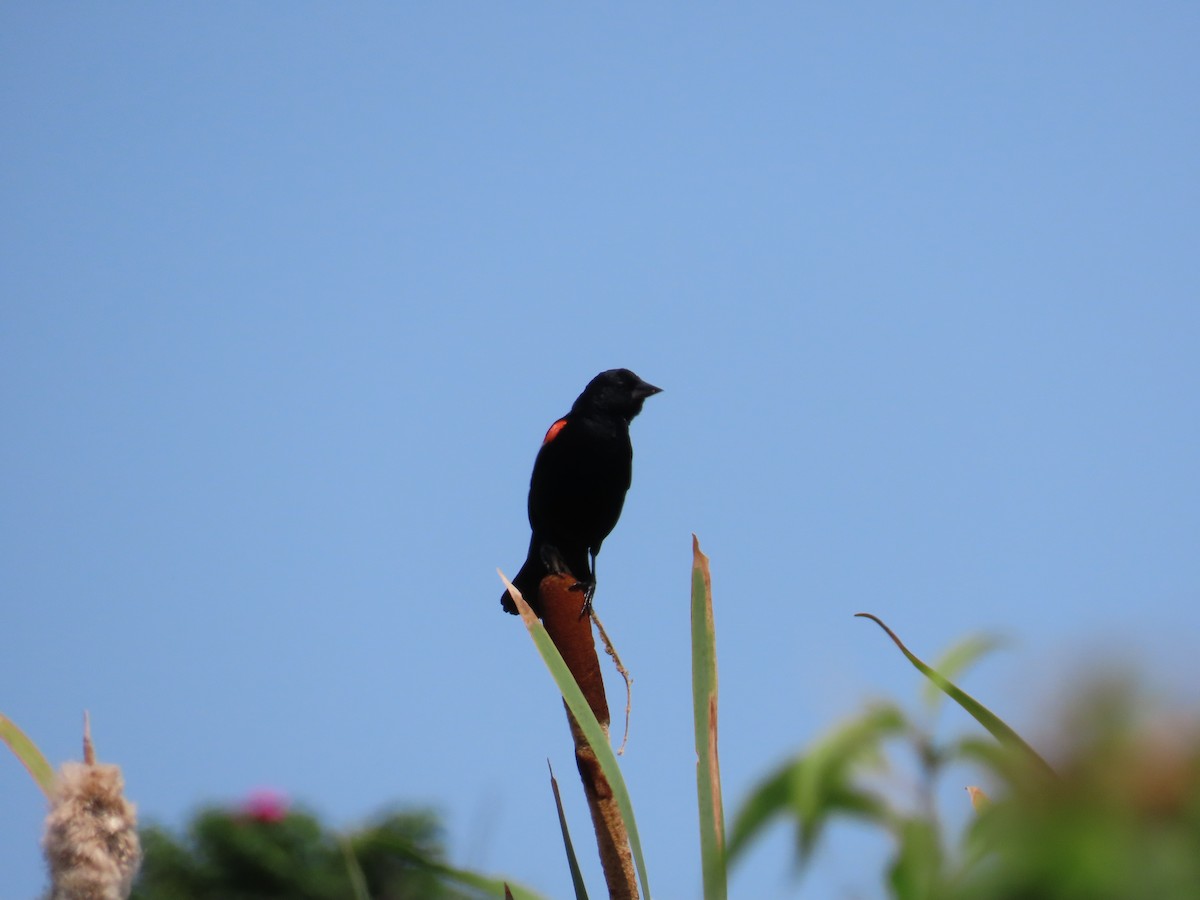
(265, 805)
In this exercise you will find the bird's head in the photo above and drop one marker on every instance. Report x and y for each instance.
(617, 392)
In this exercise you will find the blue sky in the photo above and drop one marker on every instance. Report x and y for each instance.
(291, 292)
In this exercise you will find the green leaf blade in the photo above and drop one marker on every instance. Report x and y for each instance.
(815, 786)
(704, 703)
(29, 755)
(996, 726)
(572, 860)
(956, 660)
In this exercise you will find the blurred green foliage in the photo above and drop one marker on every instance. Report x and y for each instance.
(1119, 816)
(264, 853)
(1122, 820)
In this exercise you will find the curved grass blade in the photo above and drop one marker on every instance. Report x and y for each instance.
(821, 783)
(28, 753)
(572, 861)
(957, 660)
(984, 716)
(914, 873)
(704, 701)
(358, 881)
(493, 887)
(582, 711)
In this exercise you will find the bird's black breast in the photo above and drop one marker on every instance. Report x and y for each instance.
(579, 482)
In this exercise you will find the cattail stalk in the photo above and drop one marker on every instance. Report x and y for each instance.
(572, 635)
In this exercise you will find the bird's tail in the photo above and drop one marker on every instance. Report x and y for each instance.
(527, 581)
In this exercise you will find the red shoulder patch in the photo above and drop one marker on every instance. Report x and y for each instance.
(553, 432)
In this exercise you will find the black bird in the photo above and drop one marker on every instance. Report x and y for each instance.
(578, 485)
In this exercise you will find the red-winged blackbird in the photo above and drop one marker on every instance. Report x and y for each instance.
(579, 482)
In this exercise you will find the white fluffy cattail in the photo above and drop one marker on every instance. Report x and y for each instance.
(91, 841)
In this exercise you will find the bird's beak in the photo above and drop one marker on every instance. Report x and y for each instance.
(644, 390)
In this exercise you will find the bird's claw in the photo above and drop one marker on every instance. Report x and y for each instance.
(589, 591)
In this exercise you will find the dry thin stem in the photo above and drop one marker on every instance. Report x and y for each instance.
(89, 751)
(623, 672)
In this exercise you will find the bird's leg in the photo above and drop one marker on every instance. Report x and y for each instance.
(589, 591)
(556, 565)
(588, 587)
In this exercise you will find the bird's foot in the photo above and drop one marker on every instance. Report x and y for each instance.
(589, 591)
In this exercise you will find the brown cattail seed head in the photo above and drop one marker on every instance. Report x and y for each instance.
(91, 842)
